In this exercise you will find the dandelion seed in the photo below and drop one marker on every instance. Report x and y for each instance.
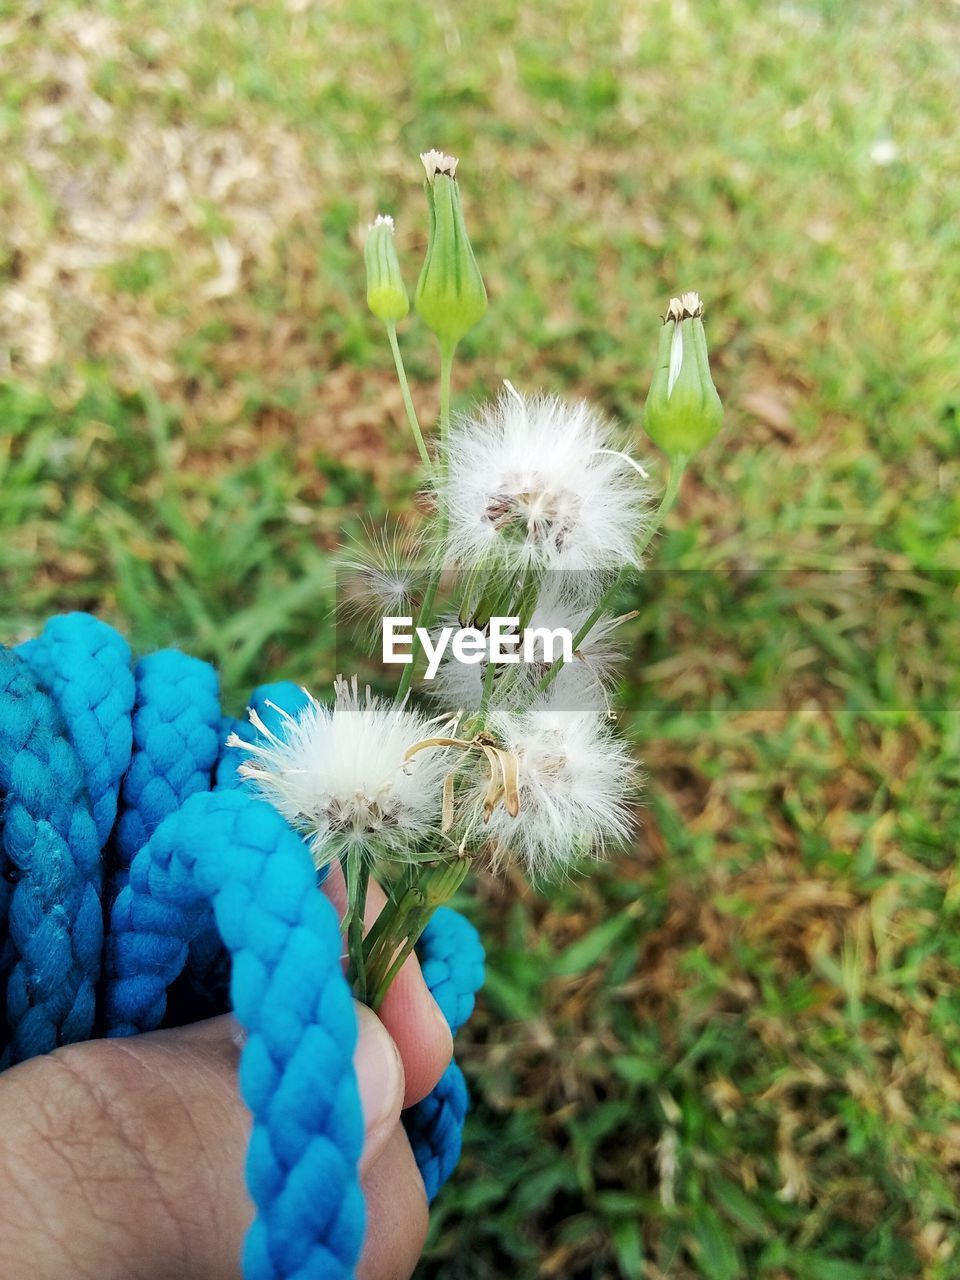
(382, 576)
(340, 775)
(575, 779)
(689, 306)
(533, 482)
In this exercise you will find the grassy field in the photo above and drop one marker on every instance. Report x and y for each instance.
(734, 1052)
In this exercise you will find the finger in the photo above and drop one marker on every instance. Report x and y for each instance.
(397, 1215)
(419, 1029)
(380, 1082)
(409, 1011)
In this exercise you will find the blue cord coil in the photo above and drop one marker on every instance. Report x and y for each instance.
(143, 884)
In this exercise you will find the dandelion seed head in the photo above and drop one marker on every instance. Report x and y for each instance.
(575, 781)
(339, 775)
(579, 685)
(533, 481)
(382, 575)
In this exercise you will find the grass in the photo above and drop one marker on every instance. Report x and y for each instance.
(734, 1052)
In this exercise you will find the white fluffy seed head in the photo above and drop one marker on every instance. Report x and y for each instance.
(338, 775)
(382, 576)
(581, 685)
(459, 686)
(575, 784)
(537, 482)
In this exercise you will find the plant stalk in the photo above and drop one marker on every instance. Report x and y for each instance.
(407, 398)
(425, 614)
(357, 874)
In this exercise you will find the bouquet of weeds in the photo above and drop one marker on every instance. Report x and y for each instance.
(537, 510)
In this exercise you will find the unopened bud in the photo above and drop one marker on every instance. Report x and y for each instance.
(386, 295)
(683, 411)
(450, 295)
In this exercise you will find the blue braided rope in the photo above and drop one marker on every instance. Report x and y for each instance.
(451, 958)
(85, 666)
(288, 991)
(206, 880)
(54, 923)
(435, 1129)
(176, 730)
(208, 966)
(176, 741)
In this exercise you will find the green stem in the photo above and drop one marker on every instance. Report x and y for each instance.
(402, 897)
(408, 908)
(407, 398)
(437, 885)
(357, 874)
(425, 614)
(677, 467)
(446, 368)
(488, 678)
(379, 928)
(403, 955)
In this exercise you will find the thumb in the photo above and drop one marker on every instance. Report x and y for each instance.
(126, 1157)
(380, 1083)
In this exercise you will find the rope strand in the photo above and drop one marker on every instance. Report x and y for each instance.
(118, 799)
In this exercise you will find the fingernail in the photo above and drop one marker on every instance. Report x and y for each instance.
(379, 1071)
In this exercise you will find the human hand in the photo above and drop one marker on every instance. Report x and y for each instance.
(123, 1159)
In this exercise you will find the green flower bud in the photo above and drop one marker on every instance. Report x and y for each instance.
(683, 411)
(386, 295)
(450, 295)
